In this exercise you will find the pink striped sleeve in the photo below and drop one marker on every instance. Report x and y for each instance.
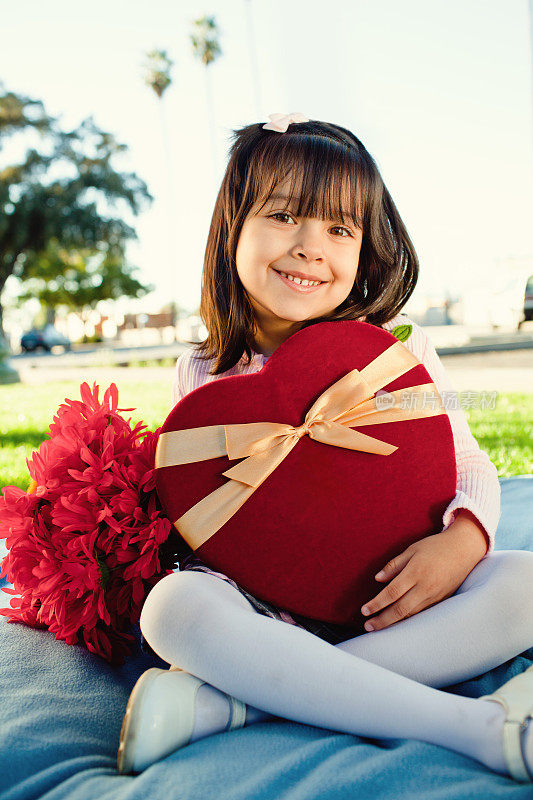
(178, 390)
(478, 489)
(192, 372)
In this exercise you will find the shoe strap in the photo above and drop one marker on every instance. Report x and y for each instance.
(512, 731)
(516, 696)
(237, 713)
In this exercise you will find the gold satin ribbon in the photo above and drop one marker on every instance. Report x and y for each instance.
(348, 402)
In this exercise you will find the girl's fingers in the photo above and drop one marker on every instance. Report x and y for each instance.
(394, 566)
(408, 605)
(390, 594)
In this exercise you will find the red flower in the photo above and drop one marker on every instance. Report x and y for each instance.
(85, 543)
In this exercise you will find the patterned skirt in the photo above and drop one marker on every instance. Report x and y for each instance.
(328, 631)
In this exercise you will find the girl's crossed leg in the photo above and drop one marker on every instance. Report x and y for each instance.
(486, 622)
(378, 684)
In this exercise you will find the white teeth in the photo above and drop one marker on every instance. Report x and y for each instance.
(299, 280)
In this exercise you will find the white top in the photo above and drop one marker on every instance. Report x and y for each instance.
(478, 488)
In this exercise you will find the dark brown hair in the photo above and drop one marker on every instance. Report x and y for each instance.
(321, 159)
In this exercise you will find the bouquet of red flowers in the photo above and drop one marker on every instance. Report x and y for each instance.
(89, 539)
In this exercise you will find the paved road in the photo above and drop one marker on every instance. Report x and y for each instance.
(510, 371)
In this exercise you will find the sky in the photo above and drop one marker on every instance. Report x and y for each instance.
(439, 91)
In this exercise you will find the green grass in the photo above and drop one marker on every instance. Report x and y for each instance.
(504, 432)
(26, 413)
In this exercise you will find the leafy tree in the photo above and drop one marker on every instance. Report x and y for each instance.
(57, 204)
(80, 279)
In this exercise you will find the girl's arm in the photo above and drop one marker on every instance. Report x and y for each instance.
(476, 505)
(478, 489)
(433, 568)
(191, 373)
(181, 384)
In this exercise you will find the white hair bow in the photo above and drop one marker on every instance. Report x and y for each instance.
(280, 122)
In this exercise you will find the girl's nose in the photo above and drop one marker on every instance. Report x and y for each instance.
(308, 245)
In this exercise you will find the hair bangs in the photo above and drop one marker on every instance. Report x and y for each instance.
(322, 178)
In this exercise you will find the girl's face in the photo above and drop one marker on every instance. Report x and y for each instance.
(274, 240)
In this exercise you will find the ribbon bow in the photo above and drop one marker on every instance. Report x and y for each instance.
(280, 122)
(348, 402)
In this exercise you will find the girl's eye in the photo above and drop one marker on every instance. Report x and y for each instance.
(280, 214)
(338, 227)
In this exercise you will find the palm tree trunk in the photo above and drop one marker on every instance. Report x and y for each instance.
(253, 59)
(172, 232)
(531, 51)
(212, 127)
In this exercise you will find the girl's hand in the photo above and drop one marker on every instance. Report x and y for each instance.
(429, 571)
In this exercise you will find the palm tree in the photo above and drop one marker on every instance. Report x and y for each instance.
(206, 47)
(157, 77)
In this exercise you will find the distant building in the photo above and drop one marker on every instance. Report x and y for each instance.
(164, 319)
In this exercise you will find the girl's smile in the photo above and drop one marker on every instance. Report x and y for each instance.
(298, 284)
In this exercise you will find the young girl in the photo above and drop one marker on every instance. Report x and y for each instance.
(301, 201)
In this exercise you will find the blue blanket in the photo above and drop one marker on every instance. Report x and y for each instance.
(62, 710)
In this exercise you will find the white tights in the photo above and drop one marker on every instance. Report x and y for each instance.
(379, 684)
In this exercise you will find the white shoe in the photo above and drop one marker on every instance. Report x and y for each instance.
(516, 696)
(159, 717)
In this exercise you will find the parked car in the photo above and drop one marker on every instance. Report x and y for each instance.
(528, 300)
(43, 339)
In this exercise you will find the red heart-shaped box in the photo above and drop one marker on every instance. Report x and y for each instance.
(313, 535)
